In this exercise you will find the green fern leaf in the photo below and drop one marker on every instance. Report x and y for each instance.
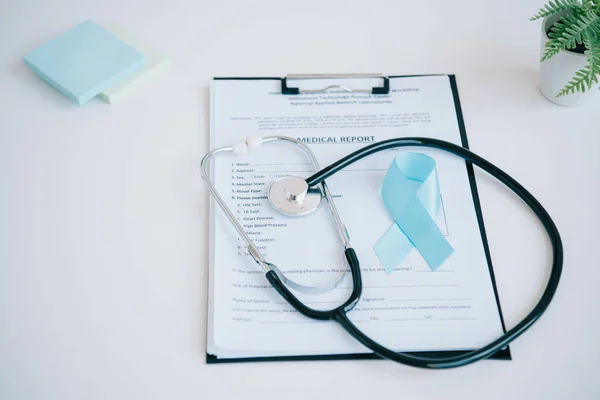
(550, 50)
(588, 5)
(577, 84)
(557, 40)
(560, 32)
(593, 57)
(554, 7)
(586, 77)
(586, 27)
(591, 5)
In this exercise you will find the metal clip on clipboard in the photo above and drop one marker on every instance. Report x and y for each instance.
(286, 90)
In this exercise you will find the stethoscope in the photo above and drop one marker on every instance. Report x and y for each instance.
(295, 196)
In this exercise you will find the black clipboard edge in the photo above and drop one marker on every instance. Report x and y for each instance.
(503, 354)
(212, 359)
(476, 200)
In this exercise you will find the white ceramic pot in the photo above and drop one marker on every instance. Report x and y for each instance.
(556, 72)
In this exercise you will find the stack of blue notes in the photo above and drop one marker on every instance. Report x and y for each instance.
(84, 61)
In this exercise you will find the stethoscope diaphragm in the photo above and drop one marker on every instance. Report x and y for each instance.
(291, 196)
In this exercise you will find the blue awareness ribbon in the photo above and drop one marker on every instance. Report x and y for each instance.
(411, 194)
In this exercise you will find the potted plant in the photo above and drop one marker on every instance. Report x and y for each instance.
(570, 55)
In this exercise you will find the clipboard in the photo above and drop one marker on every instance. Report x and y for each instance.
(382, 88)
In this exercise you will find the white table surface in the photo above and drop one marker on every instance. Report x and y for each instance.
(103, 234)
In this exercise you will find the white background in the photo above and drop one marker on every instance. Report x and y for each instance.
(103, 232)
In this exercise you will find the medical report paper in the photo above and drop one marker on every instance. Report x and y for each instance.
(413, 308)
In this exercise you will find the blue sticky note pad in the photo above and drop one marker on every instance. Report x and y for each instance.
(84, 61)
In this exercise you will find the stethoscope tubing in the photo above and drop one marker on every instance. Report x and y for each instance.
(339, 314)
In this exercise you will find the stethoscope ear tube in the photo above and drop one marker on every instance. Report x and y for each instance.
(500, 343)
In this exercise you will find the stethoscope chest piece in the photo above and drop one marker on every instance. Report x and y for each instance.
(291, 196)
